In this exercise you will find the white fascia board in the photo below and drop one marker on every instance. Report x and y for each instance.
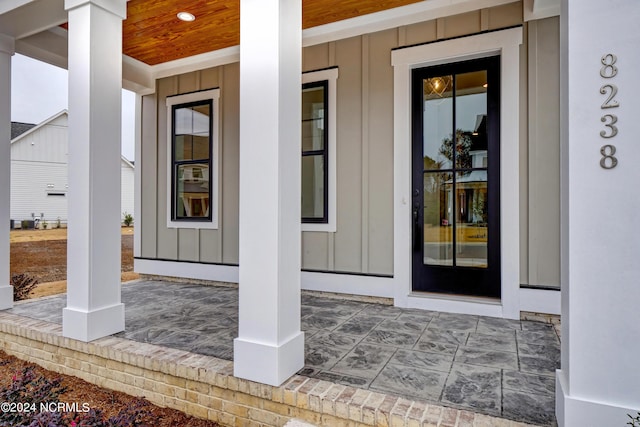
(197, 62)
(540, 9)
(137, 76)
(392, 18)
(9, 5)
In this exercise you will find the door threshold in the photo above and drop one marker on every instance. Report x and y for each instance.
(450, 303)
(454, 297)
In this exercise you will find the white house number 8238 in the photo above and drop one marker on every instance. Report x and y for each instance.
(608, 71)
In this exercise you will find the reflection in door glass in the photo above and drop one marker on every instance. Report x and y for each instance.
(438, 215)
(471, 120)
(438, 121)
(471, 219)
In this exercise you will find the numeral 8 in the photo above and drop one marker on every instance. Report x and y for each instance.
(612, 160)
(608, 69)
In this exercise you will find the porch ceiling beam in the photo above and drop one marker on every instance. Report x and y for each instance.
(6, 51)
(32, 17)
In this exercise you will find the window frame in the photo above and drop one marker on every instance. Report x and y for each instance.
(210, 96)
(329, 78)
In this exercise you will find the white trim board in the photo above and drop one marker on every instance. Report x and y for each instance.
(534, 300)
(187, 270)
(506, 43)
(540, 301)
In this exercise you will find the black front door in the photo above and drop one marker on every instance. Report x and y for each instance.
(456, 178)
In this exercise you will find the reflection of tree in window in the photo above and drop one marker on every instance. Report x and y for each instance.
(463, 149)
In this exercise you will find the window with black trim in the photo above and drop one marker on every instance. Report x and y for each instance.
(191, 153)
(315, 144)
(193, 160)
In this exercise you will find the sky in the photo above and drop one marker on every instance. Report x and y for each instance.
(40, 91)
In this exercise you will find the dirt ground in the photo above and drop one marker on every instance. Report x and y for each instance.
(43, 255)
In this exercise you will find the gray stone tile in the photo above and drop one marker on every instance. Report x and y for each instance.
(414, 382)
(322, 356)
(474, 387)
(421, 319)
(489, 325)
(391, 338)
(214, 350)
(461, 324)
(364, 361)
(335, 339)
(528, 383)
(529, 407)
(316, 321)
(436, 347)
(537, 337)
(498, 342)
(361, 324)
(420, 359)
(547, 350)
(407, 326)
(445, 337)
(494, 359)
(387, 311)
(528, 325)
(343, 379)
(538, 365)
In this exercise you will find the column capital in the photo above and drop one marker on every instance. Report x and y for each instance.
(117, 7)
(7, 44)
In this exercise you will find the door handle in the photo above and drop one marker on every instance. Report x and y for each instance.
(416, 227)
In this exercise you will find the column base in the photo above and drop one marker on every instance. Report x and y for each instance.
(268, 364)
(6, 297)
(578, 411)
(90, 325)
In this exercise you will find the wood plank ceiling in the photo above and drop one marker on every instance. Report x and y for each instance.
(153, 34)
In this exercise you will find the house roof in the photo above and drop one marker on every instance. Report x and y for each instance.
(34, 128)
(18, 128)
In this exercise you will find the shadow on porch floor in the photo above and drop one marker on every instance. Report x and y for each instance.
(498, 367)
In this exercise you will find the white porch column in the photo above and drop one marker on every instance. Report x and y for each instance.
(270, 346)
(599, 383)
(6, 51)
(93, 249)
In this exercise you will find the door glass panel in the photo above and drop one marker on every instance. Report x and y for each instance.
(438, 122)
(471, 206)
(471, 120)
(438, 218)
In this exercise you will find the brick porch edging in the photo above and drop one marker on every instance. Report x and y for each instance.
(205, 387)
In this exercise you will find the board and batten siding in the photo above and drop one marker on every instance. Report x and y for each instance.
(363, 241)
(39, 168)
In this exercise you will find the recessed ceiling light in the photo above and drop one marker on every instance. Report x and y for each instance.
(186, 16)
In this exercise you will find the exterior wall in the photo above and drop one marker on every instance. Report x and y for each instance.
(159, 242)
(39, 166)
(363, 240)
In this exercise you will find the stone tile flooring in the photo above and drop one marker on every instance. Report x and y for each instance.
(494, 366)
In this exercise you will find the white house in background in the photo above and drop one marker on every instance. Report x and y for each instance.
(39, 181)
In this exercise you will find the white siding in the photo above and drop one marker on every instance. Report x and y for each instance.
(39, 174)
(127, 177)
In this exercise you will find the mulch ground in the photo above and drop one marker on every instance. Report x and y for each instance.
(108, 401)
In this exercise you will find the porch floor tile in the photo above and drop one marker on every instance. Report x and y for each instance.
(493, 366)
